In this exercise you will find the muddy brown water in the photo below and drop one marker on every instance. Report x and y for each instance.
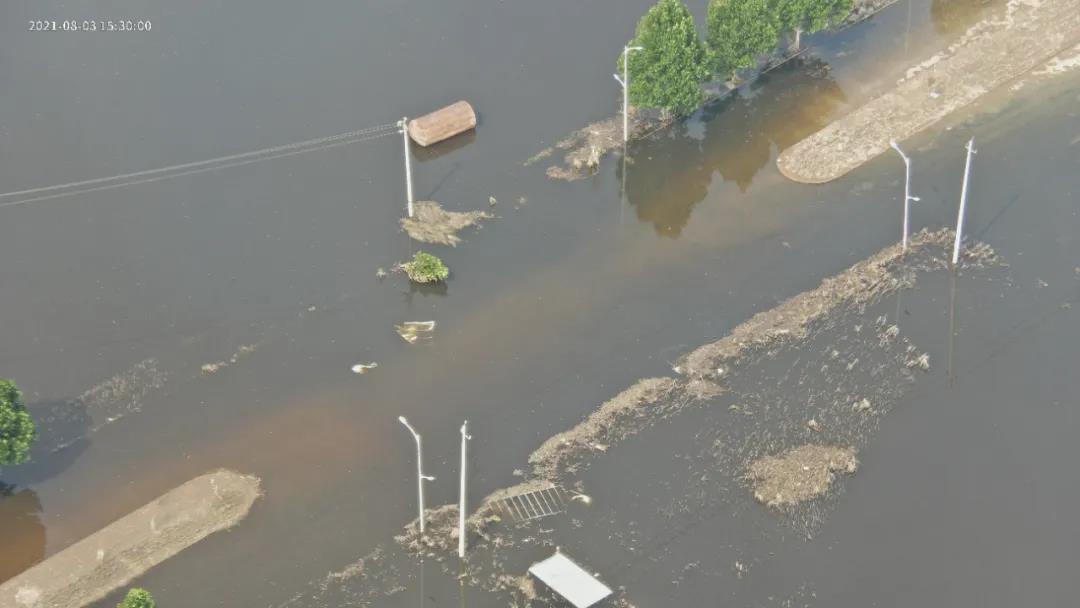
(556, 305)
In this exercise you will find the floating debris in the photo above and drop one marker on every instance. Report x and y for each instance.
(799, 474)
(381, 273)
(213, 368)
(361, 368)
(411, 331)
(433, 224)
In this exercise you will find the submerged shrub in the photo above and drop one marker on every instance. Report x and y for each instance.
(138, 598)
(426, 268)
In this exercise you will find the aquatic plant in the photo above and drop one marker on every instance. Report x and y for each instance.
(425, 268)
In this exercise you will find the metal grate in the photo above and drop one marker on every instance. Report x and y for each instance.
(533, 505)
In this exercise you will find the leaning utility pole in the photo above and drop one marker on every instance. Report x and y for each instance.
(465, 437)
(963, 202)
(404, 124)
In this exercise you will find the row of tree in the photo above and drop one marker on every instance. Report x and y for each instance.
(674, 61)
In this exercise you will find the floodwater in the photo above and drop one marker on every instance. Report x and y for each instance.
(115, 299)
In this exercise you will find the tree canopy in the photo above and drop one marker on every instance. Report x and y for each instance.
(809, 16)
(17, 431)
(138, 598)
(740, 31)
(673, 63)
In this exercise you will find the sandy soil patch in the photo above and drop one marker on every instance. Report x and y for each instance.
(113, 556)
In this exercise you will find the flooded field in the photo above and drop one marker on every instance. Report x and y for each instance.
(161, 330)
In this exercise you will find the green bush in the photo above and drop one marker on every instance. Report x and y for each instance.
(673, 63)
(426, 268)
(17, 432)
(138, 598)
(740, 31)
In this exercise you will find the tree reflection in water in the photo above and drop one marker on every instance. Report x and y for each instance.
(668, 176)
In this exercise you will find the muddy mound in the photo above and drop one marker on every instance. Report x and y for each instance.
(799, 474)
(433, 224)
(622, 415)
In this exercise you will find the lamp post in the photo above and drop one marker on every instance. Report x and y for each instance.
(465, 437)
(963, 202)
(625, 82)
(420, 477)
(404, 124)
(907, 191)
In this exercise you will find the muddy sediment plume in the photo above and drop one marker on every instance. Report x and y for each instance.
(990, 54)
(433, 224)
(115, 555)
(799, 474)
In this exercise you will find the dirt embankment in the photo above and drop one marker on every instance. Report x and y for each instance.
(991, 53)
(113, 556)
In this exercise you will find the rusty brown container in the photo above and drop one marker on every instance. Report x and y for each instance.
(443, 124)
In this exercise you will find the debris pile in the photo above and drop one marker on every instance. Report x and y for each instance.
(433, 224)
(799, 474)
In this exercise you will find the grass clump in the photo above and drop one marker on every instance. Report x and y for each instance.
(425, 268)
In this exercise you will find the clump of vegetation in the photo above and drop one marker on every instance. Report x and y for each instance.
(673, 62)
(425, 268)
(17, 432)
(138, 598)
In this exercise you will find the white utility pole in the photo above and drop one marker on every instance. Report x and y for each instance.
(404, 124)
(465, 437)
(625, 82)
(963, 202)
(907, 192)
(420, 477)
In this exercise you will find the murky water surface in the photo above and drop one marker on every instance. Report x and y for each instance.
(164, 329)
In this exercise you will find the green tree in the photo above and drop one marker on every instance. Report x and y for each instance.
(138, 598)
(809, 16)
(740, 31)
(17, 430)
(668, 71)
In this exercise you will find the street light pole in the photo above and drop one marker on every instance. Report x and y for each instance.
(963, 202)
(420, 477)
(625, 82)
(465, 437)
(408, 166)
(907, 192)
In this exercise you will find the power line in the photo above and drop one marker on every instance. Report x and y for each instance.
(205, 169)
(211, 164)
